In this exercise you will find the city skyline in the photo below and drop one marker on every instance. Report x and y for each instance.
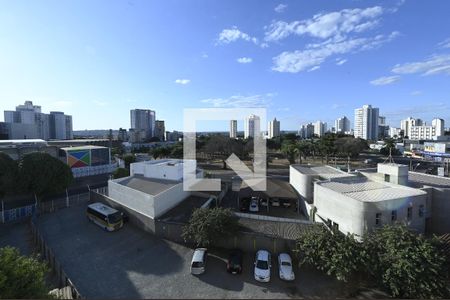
(104, 62)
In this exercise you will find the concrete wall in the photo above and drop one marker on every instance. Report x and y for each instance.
(169, 199)
(398, 173)
(439, 211)
(302, 183)
(357, 217)
(129, 197)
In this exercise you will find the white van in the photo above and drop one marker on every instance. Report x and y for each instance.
(198, 263)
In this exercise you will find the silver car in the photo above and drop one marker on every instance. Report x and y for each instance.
(285, 266)
(198, 263)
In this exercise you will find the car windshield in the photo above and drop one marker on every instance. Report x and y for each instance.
(285, 263)
(262, 264)
(197, 264)
(115, 217)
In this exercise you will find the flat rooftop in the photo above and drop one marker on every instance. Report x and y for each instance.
(275, 188)
(419, 180)
(19, 142)
(87, 147)
(326, 172)
(151, 186)
(365, 190)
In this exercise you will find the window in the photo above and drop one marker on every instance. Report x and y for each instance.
(387, 177)
(378, 219)
(394, 216)
(409, 215)
(421, 210)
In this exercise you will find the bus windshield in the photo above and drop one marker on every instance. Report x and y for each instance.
(115, 217)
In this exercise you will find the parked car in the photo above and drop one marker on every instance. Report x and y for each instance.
(285, 267)
(262, 266)
(234, 264)
(198, 263)
(286, 203)
(263, 202)
(254, 207)
(275, 202)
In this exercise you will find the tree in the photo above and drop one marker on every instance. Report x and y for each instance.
(21, 276)
(8, 174)
(42, 174)
(335, 254)
(121, 172)
(406, 264)
(326, 146)
(350, 146)
(289, 148)
(389, 148)
(207, 226)
(129, 159)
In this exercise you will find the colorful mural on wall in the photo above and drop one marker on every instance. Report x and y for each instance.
(79, 158)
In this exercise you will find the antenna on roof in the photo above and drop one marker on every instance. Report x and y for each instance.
(390, 158)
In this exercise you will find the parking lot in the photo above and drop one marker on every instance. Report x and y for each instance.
(134, 264)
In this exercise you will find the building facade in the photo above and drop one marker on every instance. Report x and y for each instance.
(273, 129)
(143, 119)
(160, 129)
(416, 129)
(366, 122)
(306, 131)
(252, 126)
(320, 128)
(233, 129)
(342, 125)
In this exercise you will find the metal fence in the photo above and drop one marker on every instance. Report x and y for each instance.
(67, 288)
(58, 203)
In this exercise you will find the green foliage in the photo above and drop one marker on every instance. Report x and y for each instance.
(289, 148)
(128, 159)
(42, 174)
(8, 174)
(406, 264)
(209, 225)
(350, 146)
(21, 276)
(121, 172)
(333, 253)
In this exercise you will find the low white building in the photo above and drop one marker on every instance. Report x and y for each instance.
(359, 202)
(153, 187)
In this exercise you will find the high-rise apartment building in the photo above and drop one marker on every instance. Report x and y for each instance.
(416, 129)
(366, 122)
(160, 129)
(306, 131)
(406, 125)
(233, 129)
(28, 122)
(143, 120)
(320, 128)
(342, 125)
(252, 126)
(273, 129)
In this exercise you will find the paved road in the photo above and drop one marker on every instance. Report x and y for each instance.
(133, 264)
(16, 235)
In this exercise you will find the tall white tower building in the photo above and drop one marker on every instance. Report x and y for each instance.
(366, 122)
(273, 129)
(342, 125)
(252, 126)
(233, 129)
(320, 128)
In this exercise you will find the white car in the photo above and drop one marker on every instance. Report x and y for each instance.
(275, 202)
(285, 266)
(254, 205)
(198, 262)
(262, 266)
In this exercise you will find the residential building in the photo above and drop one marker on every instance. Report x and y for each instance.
(342, 125)
(233, 129)
(160, 129)
(252, 126)
(122, 135)
(143, 119)
(273, 129)
(28, 122)
(366, 122)
(383, 128)
(320, 128)
(395, 132)
(173, 136)
(416, 129)
(406, 125)
(306, 131)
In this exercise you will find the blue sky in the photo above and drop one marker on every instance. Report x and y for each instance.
(303, 60)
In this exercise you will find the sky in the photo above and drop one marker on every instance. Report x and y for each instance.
(302, 60)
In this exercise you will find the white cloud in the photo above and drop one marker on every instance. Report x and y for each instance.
(436, 64)
(445, 43)
(182, 81)
(280, 8)
(385, 80)
(241, 101)
(231, 35)
(314, 68)
(315, 54)
(244, 60)
(329, 25)
(340, 61)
